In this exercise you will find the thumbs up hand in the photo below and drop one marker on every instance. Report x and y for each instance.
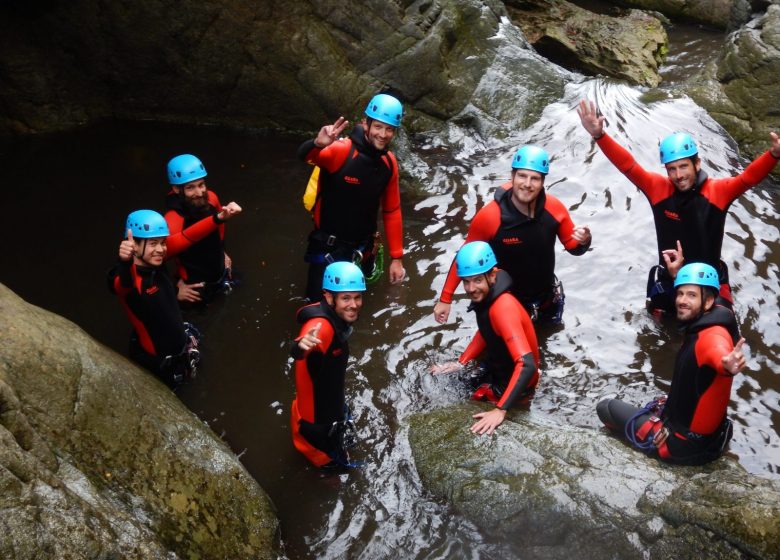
(734, 361)
(127, 247)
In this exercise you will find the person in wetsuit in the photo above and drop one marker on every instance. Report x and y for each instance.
(321, 423)
(690, 426)
(505, 333)
(521, 225)
(358, 174)
(688, 206)
(161, 341)
(196, 220)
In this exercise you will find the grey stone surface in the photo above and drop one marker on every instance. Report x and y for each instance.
(556, 491)
(98, 459)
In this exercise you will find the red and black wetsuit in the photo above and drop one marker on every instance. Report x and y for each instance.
(524, 246)
(695, 410)
(508, 335)
(355, 179)
(196, 242)
(149, 298)
(319, 384)
(695, 217)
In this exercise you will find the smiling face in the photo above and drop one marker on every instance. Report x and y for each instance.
(526, 186)
(682, 173)
(150, 252)
(378, 134)
(478, 286)
(692, 301)
(194, 193)
(346, 304)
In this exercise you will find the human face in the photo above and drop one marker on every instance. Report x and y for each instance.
(526, 186)
(478, 286)
(378, 134)
(346, 304)
(682, 173)
(150, 251)
(691, 302)
(195, 193)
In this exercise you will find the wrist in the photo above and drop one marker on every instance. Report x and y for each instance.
(598, 136)
(776, 156)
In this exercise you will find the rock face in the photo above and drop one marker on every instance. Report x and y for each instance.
(723, 14)
(99, 460)
(268, 64)
(555, 492)
(740, 89)
(630, 47)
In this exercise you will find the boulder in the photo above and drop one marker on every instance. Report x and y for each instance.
(739, 89)
(555, 491)
(630, 46)
(722, 14)
(98, 459)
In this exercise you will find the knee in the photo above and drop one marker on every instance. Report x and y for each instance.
(602, 409)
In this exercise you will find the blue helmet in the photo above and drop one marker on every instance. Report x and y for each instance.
(343, 277)
(700, 274)
(475, 258)
(677, 146)
(185, 168)
(533, 158)
(145, 224)
(385, 108)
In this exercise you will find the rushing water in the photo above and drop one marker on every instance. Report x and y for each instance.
(68, 196)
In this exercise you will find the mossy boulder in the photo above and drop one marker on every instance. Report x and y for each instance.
(556, 491)
(98, 459)
(739, 89)
(630, 46)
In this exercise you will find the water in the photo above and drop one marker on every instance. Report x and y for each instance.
(68, 196)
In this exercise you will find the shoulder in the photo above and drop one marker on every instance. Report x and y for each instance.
(213, 199)
(555, 207)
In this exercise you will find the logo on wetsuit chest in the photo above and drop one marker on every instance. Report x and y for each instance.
(512, 241)
(672, 215)
(351, 180)
(152, 290)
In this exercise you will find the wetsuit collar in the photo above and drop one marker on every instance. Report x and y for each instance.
(719, 314)
(322, 309)
(510, 214)
(503, 284)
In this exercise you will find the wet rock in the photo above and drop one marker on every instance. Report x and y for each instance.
(98, 459)
(723, 14)
(629, 47)
(740, 88)
(268, 64)
(554, 491)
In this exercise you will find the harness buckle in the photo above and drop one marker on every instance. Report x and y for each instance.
(328, 258)
(357, 256)
(330, 241)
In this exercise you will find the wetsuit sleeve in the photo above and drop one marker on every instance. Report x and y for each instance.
(725, 191)
(565, 226)
(122, 278)
(179, 239)
(391, 212)
(330, 158)
(325, 335)
(711, 346)
(483, 228)
(655, 186)
(505, 320)
(474, 349)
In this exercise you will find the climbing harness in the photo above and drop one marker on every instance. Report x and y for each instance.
(344, 434)
(636, 436)
(184, 365)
